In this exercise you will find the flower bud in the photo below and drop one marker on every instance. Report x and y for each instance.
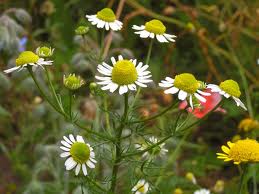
(44, 51)
(73, 82)
(81, 30)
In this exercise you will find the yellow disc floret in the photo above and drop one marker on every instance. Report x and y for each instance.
(246, 150)
(106, 15)
(231, 87)
(80, 152)
(248, 124)
(26, 57)
(124, 72)
(186, 82)
(155, 26)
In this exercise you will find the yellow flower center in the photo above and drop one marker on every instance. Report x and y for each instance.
(186, 82)
(248, 124)
(155, 26)
(26, 57)
(141, 188)
(231, 87)
(106, 15)
(80, 152)
(245, 151)
(124, 72)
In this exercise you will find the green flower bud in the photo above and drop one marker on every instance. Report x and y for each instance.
(44, 51)
(73, 82)
(81, 30)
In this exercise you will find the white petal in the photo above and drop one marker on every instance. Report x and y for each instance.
(70, 163)
(135, 27)
(169, 79)
(100, 24)
(132, 87)
(90, 164)
(103, 78)
(65, 148)
(93, 160)
(141, 84)
(113, 87)
(78, 167)
(239, 102)
(120, 57)
(199, 97)
(64, 143)
(64, 154)
(71, 137)
(84, 169)
(107, 27)
(203, 93)
(11, 70)
(67, 140)
(123, 89)
(182, 95)
(172, 90)
(161, 38)
(144, 34)
(113, 60)
(191, 104)
(152, 35)
(80, 139)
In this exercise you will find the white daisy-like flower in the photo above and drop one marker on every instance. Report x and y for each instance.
(141, 187)
(124, 74)
(228, 88)
(152, 29)
(105, 19)
(28, 58)
(158, 150)
(186, 86)
(78, 153)
(202, 191)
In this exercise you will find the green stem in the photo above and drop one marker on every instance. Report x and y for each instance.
(102, 45)
(157, 115)
(254, 179)
(147, 62)
(107, 118)
(76, 123)
(242, 179)
(171, 135)
(70, 104)
(118, 145)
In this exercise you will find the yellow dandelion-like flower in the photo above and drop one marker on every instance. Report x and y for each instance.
(248, 124)
(246, 150)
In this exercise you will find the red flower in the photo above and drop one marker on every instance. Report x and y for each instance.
(211, 102)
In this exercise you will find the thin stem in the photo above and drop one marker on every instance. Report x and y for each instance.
(107, 118)
(157, 115)
(70, 104)
(82, 189)
(102, 45)
(254, 179)
(147, 62)
(76, 123)
(118, 145)
(171, 135)
(242, 178)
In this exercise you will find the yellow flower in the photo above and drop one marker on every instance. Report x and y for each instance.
(190, 176)
(219, 186)
(235, 138)
(246, 150)
(248, 124)
(178, 191)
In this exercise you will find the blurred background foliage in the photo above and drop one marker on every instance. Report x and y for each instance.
(217, 40)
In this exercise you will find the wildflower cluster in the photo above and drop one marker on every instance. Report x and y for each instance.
(127, 76)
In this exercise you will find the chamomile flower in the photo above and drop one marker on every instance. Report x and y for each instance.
(228, 88)
(105, 19)
(152, 29)
(186, 86)
(73, 82)
(78, 153)
(246, 150)
(202, 191)
(28, 58)
(158, 150)
(124, 75)
(141, 187)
